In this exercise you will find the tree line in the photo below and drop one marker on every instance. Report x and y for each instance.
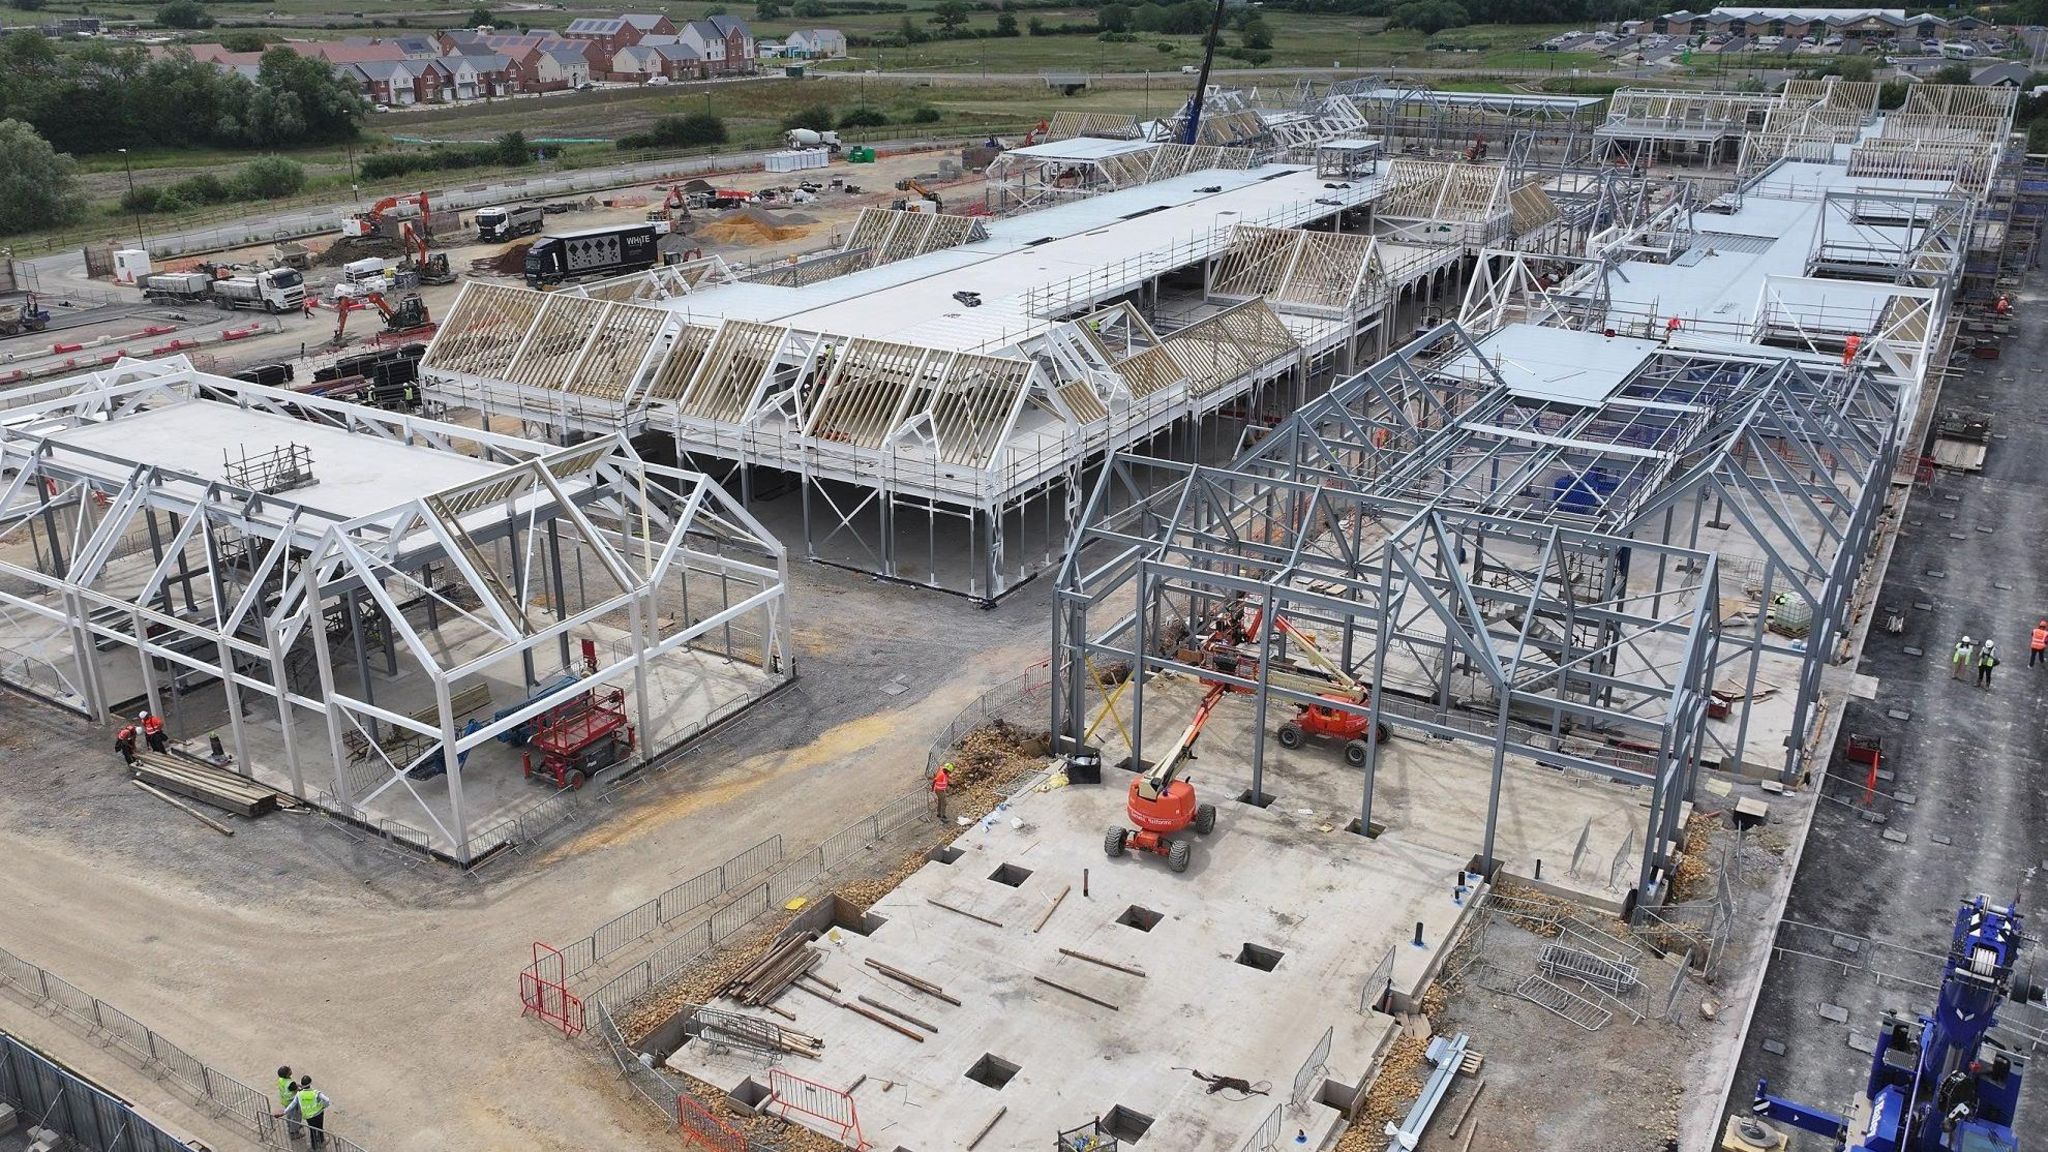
(100, 97)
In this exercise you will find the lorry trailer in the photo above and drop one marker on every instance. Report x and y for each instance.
(592, 252)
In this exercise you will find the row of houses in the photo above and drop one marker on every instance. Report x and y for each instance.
(473, 64)
(1799, 23)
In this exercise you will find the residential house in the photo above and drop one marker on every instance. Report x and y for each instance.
(724, 42)
(478, 76)
(649, 24)
(416, 45)
(1854, 25)
(561, 67)
(401, 83)
(815, 43)
(609, 32)
(672, 59)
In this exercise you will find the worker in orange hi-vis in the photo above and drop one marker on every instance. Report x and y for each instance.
(153, 732)
(2037, 646)
(2004, 305)
(941, 781)
(124, 743)
(1850, 347)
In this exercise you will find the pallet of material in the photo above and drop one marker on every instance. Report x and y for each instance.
(223, 790)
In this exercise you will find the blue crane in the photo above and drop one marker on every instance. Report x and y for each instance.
(1937, 1083)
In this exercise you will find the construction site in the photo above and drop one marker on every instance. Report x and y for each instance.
(1285, 625)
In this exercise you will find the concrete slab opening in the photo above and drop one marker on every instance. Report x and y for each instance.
(1126, 1125)
(1260, 957)
(1010, 874)
(1143, 919)
(992, 1070)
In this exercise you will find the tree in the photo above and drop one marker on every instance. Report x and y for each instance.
(911, 33)
(950, 14)
(1429, 17)
(1035, 26)
(817, 117)
(811, 9)
(305, 88)
(1113, 18)
(1006, 24)
(513, 150)
(1255, 35)
(243, 41)
(767, 10)
(1954, 72)
(863, 118)
(38, 187)
(26, 5)
(481, 17)
(184, 14)
(269, 178)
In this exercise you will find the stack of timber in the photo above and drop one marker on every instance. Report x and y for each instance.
(775, 971)
(221, 789)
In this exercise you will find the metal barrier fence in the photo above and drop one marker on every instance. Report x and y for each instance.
(221, 1095)
(1378, 983)
(1015, 696)
(1317, 1063)
(643, 920)
(1266, 1136)
(47, 1095)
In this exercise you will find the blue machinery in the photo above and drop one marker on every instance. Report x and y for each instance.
(1939, 1084)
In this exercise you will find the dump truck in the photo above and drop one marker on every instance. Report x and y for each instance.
(592, 252)
(494, 224)
(278, 290)
(23, 315)
(805, 138)
(177, 287)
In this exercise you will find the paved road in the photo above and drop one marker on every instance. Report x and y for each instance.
(1969, 768)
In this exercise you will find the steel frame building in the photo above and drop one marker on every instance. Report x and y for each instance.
(1585, 516)
(363, 586)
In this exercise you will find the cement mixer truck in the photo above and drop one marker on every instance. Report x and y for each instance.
(805, 138)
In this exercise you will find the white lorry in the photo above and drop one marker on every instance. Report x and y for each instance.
(493, 224)
(278, 290)
(805, 138)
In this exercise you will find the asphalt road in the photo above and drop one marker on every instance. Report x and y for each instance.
(1965, 809)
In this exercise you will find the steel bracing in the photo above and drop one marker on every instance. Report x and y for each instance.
(354, 617)
(1516, 637)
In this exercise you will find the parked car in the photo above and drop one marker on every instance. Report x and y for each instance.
(657, 80)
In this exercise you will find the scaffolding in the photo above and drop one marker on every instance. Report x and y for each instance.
(374, 637)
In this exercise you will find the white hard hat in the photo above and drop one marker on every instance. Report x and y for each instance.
(142, 715)
(1966, 639)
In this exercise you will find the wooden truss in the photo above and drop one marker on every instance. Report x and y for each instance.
(1955, 100)
(880, 391)
(668, 282)
(1657, 113)
(888, 235)
(1104, 125)
(1322, 273)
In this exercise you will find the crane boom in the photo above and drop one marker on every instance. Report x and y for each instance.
(1155, 781)
(1190, 132)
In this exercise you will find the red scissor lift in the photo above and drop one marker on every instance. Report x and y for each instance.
(576, 741)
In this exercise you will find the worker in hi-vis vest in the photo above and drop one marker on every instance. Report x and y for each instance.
(942, 780)
(287, 1089)
(311, 1105)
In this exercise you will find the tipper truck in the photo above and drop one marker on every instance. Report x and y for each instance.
(493, 224)
(178, 287)
(278, 290)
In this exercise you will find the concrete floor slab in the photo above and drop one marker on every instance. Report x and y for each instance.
(1329, 906)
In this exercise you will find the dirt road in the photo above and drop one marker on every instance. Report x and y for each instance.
(395, 983)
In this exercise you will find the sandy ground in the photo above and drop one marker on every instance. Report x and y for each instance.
(393, 982)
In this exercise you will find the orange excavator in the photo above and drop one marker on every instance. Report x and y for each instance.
(432, 266)
(1162, 804)
(363, 224)
(407, 316)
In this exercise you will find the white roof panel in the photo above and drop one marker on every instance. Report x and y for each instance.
(1559, 364)
(1081, 148)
